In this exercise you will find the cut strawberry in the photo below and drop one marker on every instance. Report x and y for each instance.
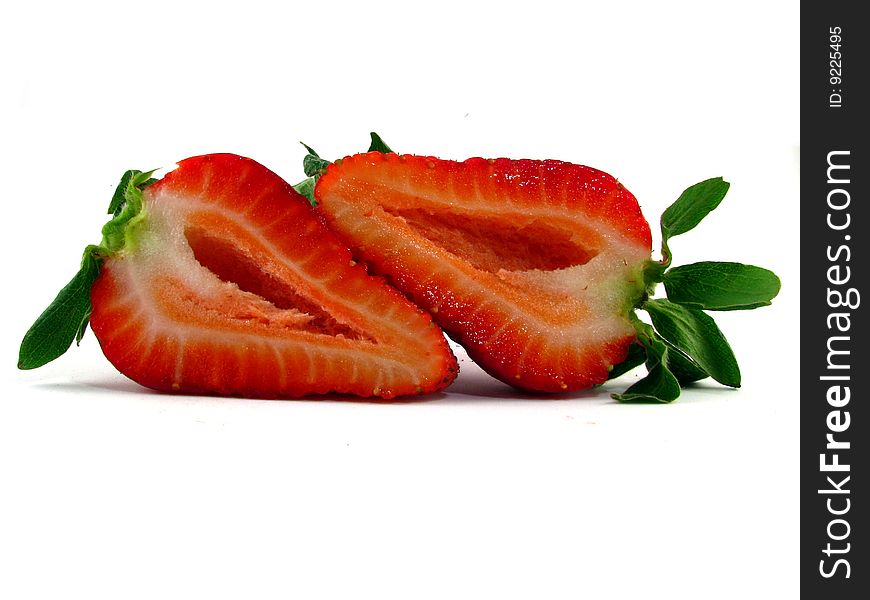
(537, 267)
(533, 266)
(220, 279)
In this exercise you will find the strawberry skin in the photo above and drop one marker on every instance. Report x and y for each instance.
(229, 284)
(533, 266)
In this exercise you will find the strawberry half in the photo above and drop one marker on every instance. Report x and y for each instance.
(533, 266)
(220, 279)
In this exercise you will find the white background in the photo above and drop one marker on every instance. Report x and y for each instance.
(109, 491)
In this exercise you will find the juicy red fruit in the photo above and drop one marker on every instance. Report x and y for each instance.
(533, 266)
(229, 284)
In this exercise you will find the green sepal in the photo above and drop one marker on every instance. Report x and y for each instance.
(636, 357)
(694, 333)
(660, 385)
(378, 144)
(65, 319)
(125, 209)
(132, 179)
(306, 188)
(721, 286)
(119, 197)
(695, 203)
(310, 150)
(312, 164)
(684, 368)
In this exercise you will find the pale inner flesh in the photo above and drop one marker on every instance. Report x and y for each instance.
(230, 264)
(500, 243)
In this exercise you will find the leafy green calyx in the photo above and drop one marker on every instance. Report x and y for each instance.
(312, 164)
(660, 385)
(696, 335)
(66, 318)
(126, 207)
(684, 345)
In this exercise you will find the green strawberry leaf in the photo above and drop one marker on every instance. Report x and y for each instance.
(659, 385)
(132, 180)
(721, 286)
(695, 203)
(310, 150)
(65, 319)
(636, 357)
(696, 335)
(306, 188)
(678, 363)
(684, 368)
(91, 261)
(118, 198)
(125, 210)
(312, 164)
(378, 144)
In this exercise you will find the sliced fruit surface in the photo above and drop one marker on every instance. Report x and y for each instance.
(227, 283)
(533, 266)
